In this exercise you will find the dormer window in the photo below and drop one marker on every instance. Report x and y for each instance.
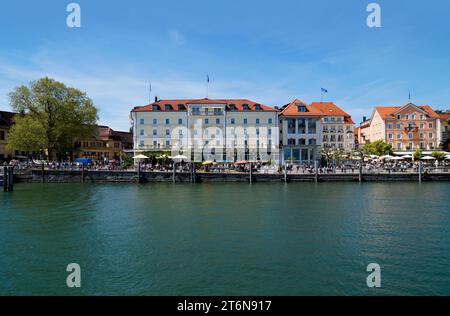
(155, 107)
(168, 107)
(301, 108)
(232, 107)
(181, 107)
(399, 117)
(245, 107)
(257, 107)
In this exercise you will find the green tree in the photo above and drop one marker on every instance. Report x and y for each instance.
(417, 154)
(63, 113)
(439, 155)
(27, 135)
(378, 148)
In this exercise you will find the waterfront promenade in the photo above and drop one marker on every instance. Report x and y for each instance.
(131, 176)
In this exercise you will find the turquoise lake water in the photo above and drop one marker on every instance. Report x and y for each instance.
(226, 239)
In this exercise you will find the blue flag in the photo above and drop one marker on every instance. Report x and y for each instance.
(324, 90)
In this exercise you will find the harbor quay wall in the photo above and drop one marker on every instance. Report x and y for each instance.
(77, 176)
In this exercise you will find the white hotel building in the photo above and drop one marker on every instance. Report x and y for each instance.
(208, 130)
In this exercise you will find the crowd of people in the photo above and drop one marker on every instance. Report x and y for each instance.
(349, 166)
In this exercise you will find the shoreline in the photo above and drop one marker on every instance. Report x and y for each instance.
(100, 176)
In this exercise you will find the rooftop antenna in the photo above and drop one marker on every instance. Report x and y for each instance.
(409, 96)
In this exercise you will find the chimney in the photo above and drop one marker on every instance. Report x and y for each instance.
(364, 118)
(156, 99)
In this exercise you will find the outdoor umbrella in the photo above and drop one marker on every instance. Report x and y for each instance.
(179, 157)
(140, 157)
(407, 156)
(206, 163)
(396, 158)
(428, 158)
(386, 157)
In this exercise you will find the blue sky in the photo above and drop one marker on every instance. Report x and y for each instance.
(267, 51)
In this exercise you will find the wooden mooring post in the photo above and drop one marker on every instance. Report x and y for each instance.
(5, 176)
(251, 173)
(174, 171)
(420, 171)
(316, 171)
(42, 174)
(360, 172)
(82, 173)
(8, 179)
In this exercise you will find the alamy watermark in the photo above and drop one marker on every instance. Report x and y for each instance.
(374, 18)
(74, 277)
(374, 278)
(74, 17)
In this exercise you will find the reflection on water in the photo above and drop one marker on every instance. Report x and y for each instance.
(226, 239)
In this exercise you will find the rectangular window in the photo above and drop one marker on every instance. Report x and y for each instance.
(206, 121)
(410, 135)
(301, 126)
(142, 132)
(399, 136)
(180, 121)
(430, 135)
(167, 143)
(269, 121)
(311, 126)
(389, 126)
(217, 121)
(291, 126)
(167, 121)
(399, 126)
(155, 121)
(142, 121)
(167, 132)
(232, 121)
(390, 136)
(399, 117)
(257, 121)
(141, 143)
(245, 121)
(155, 132)
(430, 125)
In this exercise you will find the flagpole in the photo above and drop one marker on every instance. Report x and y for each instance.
(150, 92)
(207, 85)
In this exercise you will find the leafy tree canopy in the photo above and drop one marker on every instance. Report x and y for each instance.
(378, 148)
(59, 114)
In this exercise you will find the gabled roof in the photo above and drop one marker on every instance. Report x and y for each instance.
(291, 109)
(387, 112)
(180, 105)
(329, 109)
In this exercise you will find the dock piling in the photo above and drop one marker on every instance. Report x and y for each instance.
(316, 172)
(5, 176)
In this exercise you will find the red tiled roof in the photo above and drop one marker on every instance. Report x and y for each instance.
(444, 116)
(174, 105)
(291, 109)
(389, 111)
(329, 109)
